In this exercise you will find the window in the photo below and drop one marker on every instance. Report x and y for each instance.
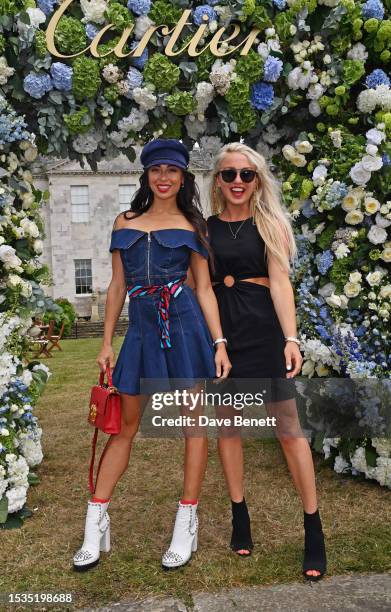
(83, 276)
(80, 204)
(125, 194)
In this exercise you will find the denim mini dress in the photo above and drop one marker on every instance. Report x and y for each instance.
(167, 336)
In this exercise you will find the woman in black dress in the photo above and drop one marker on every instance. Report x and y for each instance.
(253, 245)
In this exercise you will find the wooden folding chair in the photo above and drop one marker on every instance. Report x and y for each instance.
(43, 342)
(54, 339)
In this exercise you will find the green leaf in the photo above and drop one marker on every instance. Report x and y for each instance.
(318, 442)
(3, 509)
(371, 456)
(33, 479)
(12, 522)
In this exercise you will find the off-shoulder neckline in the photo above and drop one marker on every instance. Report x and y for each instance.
(167, 229)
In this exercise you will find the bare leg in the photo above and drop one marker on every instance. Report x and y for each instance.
(196, 452)
(297, 453)
(116, 458)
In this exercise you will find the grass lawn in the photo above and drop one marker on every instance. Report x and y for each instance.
(38, 557)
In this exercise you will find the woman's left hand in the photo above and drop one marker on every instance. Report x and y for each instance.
(293, 359)
(223, 364)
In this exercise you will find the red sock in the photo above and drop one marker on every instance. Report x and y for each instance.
(189, 501)
(98, 500)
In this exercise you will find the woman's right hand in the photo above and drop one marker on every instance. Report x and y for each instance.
(106, 357)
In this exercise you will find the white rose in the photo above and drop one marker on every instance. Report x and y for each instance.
(319, 174)
(304, 146)
(334, 300)
(386, 255)
(374, 278)
(298, 160)
(382, 221)
(352, 290)
(375, 136)
(359, 174)
(377, 235)
(355, 277)
(288, 152)
(385, 291)
(308, 368)
(371, 163)
(371, 205)
(354, 217)
(350, 202)
(371, 149)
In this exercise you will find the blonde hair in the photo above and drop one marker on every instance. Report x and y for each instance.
(266, 206)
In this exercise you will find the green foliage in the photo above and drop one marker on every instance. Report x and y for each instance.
(164, 12)
(86, 78)
(181, 103)
(162, 73)
(68, 314)
(70, 36)
(119, 15)
(250, 66)
(79, 122)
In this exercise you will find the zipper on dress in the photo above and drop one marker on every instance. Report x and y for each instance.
(148, 251)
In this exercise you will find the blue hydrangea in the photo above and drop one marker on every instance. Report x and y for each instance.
(138, 62)
(139, 7)
(134, 78)
(272, 69)
(11, 130)
(202, 10)
(280, 4)
(335, 195)
(308, 209)
(36, 85)
(46, 6)
(324, 261)
(262, 95)
(61, 76)
(377, 77)
(386, 159)
(373, 8)
(91, 30)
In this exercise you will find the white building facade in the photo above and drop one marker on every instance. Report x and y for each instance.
(79, 216)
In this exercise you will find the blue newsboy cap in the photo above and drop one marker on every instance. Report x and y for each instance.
(165, 151)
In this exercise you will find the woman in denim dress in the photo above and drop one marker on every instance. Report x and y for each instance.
(172, 333)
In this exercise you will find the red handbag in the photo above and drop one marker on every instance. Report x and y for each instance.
(104, 414)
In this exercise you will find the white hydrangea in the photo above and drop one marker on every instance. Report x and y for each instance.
(9, 258)
(221, 75)
(367, 101)
(16, 498)
(210, 144)
(204, 96)
(93, 10)
(85, 143)
(5, 71)
(111, 73)
(18, 470)
(358, 460)
(142, 24)
(29, 227)
(341, 466)
(135, 121)
(145, 98)
(194, 127)
(382, 471)
(301, 76)
(358, 52)
(32, 451)
(383, 97)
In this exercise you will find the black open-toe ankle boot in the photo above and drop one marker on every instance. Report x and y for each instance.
(241, 530)
(314, 547)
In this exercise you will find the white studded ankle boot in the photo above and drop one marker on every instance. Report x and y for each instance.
(96, 537)
(184, 537)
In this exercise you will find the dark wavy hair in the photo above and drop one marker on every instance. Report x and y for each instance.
(188, 202)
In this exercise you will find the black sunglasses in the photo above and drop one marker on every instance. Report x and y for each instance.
(229, 175)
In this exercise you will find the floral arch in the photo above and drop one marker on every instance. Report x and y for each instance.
(311, 92)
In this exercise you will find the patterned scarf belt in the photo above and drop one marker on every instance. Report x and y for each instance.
(170, 289)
